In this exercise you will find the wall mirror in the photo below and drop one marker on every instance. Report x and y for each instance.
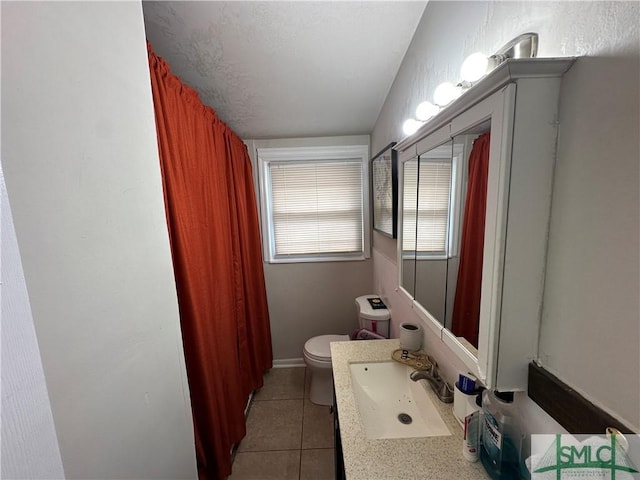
(407, 238)
(475, 193)
(435, 168)
(424, 185)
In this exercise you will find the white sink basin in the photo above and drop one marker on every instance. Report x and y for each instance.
(384, 394)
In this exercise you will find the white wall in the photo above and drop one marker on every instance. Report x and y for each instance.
(590, 327)
(80, 159)
(590, 332)
(309, 299)
(29, 443)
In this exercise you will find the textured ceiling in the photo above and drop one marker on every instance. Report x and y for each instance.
(286, 69)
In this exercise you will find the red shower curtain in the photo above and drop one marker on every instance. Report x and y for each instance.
(215, 243)
(466, 307)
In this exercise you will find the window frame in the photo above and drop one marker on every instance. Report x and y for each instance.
(268, 156)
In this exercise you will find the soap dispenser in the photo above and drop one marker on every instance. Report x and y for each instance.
(501, 436)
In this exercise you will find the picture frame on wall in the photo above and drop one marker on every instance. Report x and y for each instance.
(384, 188)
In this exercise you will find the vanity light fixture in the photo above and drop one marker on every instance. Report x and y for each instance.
(411, 126)
(474, 67)
(445, 93)
(477, 65)
(426, 110)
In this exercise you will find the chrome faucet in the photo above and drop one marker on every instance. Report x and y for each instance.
(442, 389)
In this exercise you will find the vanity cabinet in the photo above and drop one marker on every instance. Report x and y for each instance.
(517, 104)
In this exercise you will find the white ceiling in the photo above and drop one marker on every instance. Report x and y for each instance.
(286, 69)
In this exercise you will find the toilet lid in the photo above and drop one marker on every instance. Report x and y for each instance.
(319, 347)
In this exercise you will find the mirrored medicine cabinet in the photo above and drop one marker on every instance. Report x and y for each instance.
(475, 195)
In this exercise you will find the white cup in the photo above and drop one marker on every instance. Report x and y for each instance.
(463, 403)
(410, 336)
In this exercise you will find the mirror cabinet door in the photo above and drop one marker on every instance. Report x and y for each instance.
(408, 230)
(457, 194)
(432, 232)
(465, 258)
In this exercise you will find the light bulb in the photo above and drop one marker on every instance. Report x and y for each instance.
(445, 93)
(411, 126)
(474, 67)
(426, 110)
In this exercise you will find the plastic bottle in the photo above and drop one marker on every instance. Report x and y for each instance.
(471, 437)
(501, 436)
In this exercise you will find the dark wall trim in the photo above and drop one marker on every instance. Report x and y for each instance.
(568, 407)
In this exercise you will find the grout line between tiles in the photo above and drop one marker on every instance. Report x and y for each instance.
(277, 399)
(304, 383)
(272, 450)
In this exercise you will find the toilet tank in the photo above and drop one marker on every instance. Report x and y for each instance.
(373, 319)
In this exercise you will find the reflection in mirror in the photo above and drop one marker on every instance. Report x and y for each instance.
(409, 202)
(464, 272)
(461, 148)
(434, 184)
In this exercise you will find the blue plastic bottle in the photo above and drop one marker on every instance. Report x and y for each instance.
(501, 436)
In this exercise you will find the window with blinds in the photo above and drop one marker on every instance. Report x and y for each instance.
(314, 203)
(428, 214)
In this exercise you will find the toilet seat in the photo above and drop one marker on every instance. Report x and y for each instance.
(319, 348)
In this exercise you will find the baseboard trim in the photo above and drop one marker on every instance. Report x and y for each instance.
(289, 363)
(248, 406)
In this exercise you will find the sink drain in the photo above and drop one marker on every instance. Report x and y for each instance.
(405, 418)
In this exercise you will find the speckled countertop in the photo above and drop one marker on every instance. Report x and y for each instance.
(437, 458)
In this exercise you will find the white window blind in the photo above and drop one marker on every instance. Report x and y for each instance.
(314, 205)
(317, 207)
(430, 209)
(409, 205)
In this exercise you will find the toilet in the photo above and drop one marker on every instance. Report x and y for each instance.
(317, 350)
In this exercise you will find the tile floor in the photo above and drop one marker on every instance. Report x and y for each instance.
(288, 437)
